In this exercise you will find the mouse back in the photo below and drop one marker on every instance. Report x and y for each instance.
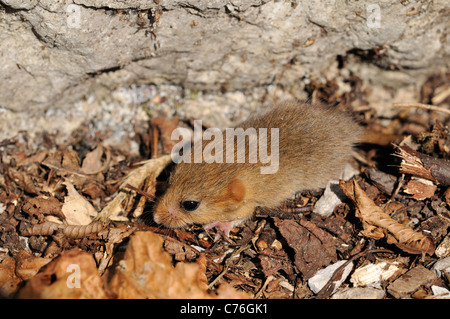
(313, 143)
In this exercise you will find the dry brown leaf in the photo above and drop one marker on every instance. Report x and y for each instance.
(43, 205)
(24, 180)
(92, 163)
(314, 248)
(36, 158)
(147, 272)
(377, 224)
(71, 275)
(273, 261)
(151, 169)
(447, 196)
(76, 209)
(180, 250)
(166, 126)
(93, 190)
(420, 189)
(70, 160)
(115, 236)
(67, 164)
(28, 265)
(14, 270)
(9, 281)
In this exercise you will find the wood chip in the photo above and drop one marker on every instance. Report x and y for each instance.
(411, 281)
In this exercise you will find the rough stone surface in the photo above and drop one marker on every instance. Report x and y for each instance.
(55, 52)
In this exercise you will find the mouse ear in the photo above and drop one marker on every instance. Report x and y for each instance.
(236, 190)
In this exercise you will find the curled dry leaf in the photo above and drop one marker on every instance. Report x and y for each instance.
(46, 229)
(24, 181)
(43, 205)
(147, 272)
(80, 231)
(377, 224)
(71, 231)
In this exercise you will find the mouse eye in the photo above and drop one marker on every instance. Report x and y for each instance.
(189, 205)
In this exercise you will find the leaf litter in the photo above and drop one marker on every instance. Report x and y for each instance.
(89, 205)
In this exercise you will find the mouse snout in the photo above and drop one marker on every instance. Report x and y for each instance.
(169, 216)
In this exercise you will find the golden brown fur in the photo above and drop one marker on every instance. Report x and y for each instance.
(314, 145)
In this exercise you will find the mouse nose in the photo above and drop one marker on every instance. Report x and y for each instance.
(168, 216)
(172, 210)
(158, 214)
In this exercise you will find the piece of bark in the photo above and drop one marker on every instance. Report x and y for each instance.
(420, 190)
(314, 247)
(383, 181)
(411, 281)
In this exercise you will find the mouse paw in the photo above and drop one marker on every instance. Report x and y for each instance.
(224, 226)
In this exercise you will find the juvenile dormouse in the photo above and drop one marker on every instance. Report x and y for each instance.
(314, 144)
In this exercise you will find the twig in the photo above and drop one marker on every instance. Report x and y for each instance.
(154, 141)
(227, 263)
(268, 279)
(378, 138)
(284, 212)
(422, 106)
(418, 164)
(8, 141)
(150, 197)
(396, 190)
(438, 98)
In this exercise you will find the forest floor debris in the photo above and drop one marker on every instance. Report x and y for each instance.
(83, 206)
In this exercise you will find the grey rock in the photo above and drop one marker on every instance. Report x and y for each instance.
(54, 53)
